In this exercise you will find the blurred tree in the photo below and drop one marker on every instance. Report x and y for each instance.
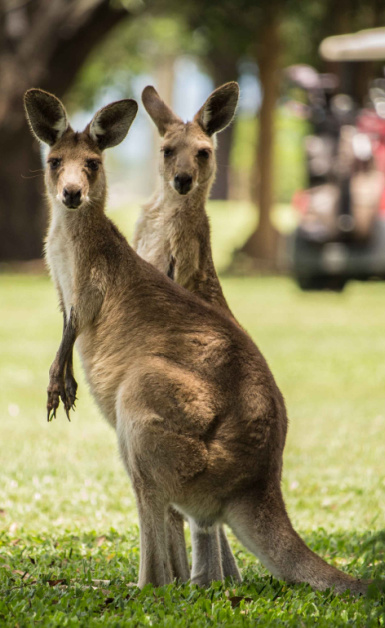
(135, 47)
(275, 33)
(262, 244)
(43, 43)
(215, 27)
(150, 44)
(306, 24)
(235, 29)
(223, 68)
(214, 22)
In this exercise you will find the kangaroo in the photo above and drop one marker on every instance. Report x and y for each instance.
(200, 421)
(173, 231)
(173, 234)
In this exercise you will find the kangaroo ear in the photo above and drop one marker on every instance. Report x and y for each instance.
(158, 110)
(219, 109)
(110, 125)
(46, 115)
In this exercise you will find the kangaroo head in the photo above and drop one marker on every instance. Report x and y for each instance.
(75, 174)
(188, 148)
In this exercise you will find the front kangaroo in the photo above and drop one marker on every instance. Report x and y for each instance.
(173, 233)
(200, 421)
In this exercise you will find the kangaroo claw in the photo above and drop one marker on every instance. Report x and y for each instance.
(70, 391)
(68, 405)
(51, 412)
(67, 410)
(55, 392)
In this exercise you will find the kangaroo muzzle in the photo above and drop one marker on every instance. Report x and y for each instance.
(72, 197)
(183, 183)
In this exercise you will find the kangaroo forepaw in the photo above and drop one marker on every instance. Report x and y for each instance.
(53, 401)
(70, 393)
(55, 392)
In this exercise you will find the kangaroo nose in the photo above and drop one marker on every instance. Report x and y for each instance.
(72, 197)
(183, 183)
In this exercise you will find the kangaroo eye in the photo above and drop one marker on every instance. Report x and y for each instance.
(93, 164)
(204, 153)
(167, 152)
(54, 163)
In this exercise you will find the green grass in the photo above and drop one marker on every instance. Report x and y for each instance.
(68, 525)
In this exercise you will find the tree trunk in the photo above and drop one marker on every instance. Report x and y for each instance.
(22, 215)
(224, 69)
(42, 44)
(262, 244)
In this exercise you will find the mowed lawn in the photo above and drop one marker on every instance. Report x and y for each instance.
(69, 542)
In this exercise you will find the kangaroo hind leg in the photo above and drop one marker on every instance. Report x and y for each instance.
(155, 566)
(152, 503)
(159, 462)
(212, 558)
(177, 545)
(229, 565)
(206, 554)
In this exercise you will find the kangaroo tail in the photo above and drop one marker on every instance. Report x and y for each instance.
(262, 524)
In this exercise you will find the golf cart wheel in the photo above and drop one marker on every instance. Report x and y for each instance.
(309, 283)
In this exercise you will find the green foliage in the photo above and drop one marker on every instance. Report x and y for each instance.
(304, 26)
(68, 525)
(134, 47)
(289, 163)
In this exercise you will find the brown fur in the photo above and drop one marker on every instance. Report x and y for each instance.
(175, 226)
(200, 421)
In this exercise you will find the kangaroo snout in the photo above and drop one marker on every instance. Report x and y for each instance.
(72, 197)
(183, 183)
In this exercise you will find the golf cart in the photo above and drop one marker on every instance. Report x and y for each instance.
(341, 213)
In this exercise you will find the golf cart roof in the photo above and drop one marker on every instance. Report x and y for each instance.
(367, 45)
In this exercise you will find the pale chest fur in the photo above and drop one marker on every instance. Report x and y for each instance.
(61, 263)
(152, 243)
(161, 236)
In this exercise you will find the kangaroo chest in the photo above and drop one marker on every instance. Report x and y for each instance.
(60, 258)
(154, 245)
(167, 237)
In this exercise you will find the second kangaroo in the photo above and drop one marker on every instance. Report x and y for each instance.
(173, 231)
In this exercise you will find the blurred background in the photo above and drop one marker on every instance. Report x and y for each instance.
(304, 156)
(299, 192)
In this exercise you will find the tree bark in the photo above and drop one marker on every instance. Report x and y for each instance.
(262, 244)
(42, 44)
